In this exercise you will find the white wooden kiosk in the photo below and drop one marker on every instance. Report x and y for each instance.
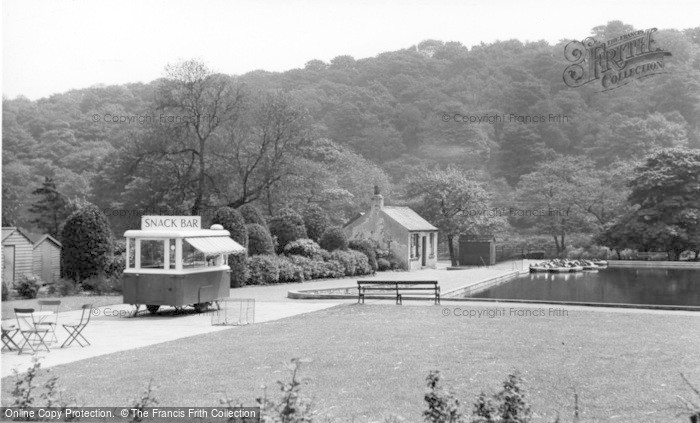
(173, 261)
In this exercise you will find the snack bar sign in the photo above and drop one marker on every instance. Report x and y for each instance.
(171, 223)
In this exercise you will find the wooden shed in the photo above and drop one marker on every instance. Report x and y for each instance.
(47, 258)
(17, 249)
(477, 250)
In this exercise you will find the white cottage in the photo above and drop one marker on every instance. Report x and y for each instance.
(412, 239)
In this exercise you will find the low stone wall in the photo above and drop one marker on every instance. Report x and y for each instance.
(483, 284)
(655, 264)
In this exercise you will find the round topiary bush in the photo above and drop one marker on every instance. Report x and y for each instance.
(334, 239)
(383, 264)
(233, 222)
(252, 215)
(288, 226)
(259, 240)
(239, 269)
(367, 248)
(304, 247)
(87, 243)
(316, 221)
(263, 270)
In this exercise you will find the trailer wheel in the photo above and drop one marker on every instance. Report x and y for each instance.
(200, 307)
(152, 308)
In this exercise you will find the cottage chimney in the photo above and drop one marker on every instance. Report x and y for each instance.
(377, 200)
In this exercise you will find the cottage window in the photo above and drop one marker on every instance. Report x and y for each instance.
(414, 246)
(431, 253)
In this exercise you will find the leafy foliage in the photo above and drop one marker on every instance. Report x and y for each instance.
(305, 247)
(87, 243)
(289, 272)
(453, 203)
(52, 208)
(263, 270)
(316, 221)
(232, 221)
(334, 238)
(287, 226)
(383, 264)
(27, 286)
(318, 269)
(252, 215)
(442, 406)
(239, 268)
(259, 240)
(291, 407)
(665, 213)
(366, 247)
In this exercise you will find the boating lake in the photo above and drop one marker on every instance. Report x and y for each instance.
(677, 287)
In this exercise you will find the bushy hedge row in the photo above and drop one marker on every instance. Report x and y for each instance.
(306, 260)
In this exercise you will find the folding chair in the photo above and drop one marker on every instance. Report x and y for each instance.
(75, 328)
(27, 326)
(9, 330)
(51, 321)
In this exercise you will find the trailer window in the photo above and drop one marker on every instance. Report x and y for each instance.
(152, 254)
(173, 253)
(192, 257)
(131, 248)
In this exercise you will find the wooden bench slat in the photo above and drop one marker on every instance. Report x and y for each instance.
(400, 288)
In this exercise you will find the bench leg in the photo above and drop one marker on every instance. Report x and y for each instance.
(399, 300)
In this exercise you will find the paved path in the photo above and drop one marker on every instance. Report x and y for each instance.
(111, 328)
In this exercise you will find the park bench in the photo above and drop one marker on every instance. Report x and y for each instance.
(399, 288)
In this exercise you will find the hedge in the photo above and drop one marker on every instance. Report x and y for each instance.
(304, 247)
(366, 247)
(259, 240)
(334, 238)
(316, 269)
(288, 226)
(239, 269)
(263, 270)
(353, 262)
(289, 272)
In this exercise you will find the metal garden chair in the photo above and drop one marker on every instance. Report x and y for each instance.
(9, 330)
(74, 329)
(50, 322)
(33, 335)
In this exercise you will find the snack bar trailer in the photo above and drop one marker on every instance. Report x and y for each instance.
(171, 261)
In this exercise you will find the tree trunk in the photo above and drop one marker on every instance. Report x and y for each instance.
(556, 243)
(196, 207)
(619, 256)
(451, 247)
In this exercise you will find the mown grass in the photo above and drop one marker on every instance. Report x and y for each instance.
(370, 361)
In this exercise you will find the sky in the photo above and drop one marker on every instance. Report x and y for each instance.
(53, 46)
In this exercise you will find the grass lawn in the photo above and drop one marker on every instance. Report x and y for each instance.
(370, 361)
